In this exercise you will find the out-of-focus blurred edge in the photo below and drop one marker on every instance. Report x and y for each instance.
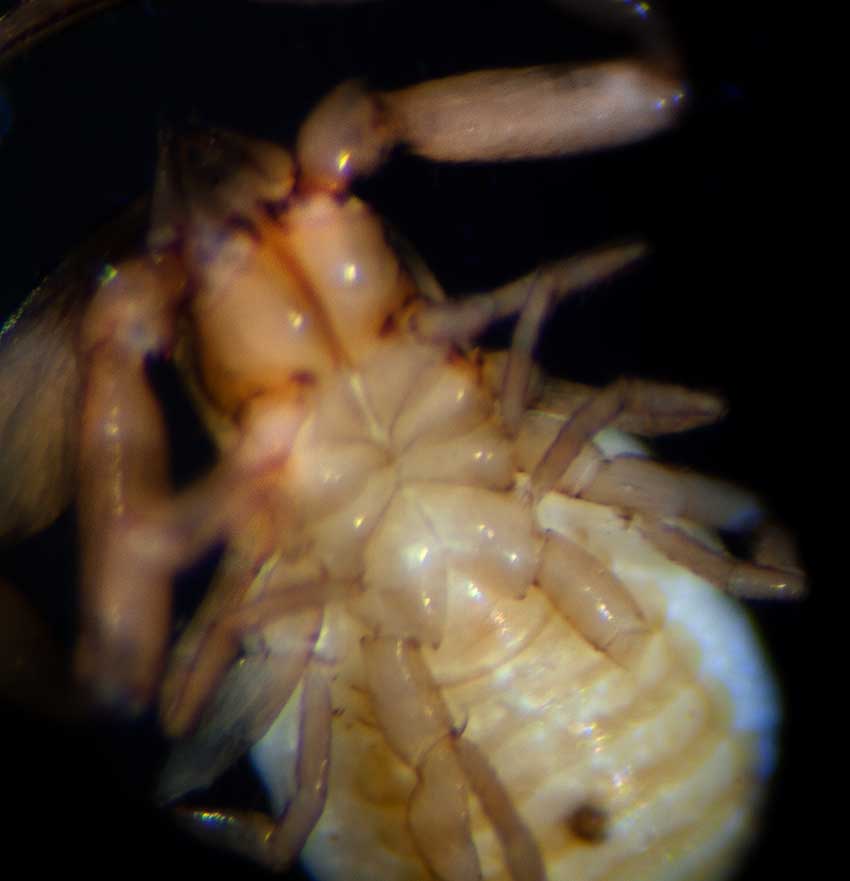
(31, 22)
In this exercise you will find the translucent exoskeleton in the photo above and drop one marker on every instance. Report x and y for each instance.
(495, 196)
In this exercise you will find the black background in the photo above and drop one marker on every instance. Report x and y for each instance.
(718, 305)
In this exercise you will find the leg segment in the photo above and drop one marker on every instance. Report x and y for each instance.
(521, 358)
(625, 477)
(637, 484)
(736, 577)
(277, 843)
(674, 409)
(123, 478)
(662, 408)
(594, 600)
(531, 297)
(241, 567)
(248, 698)
(643, 408)
(641, 484)
(314, 749)
(135, 532)
(462, 321)
(438, 814)
(196, 674)
(521, 852)
(552, 111)
(489, 116)
(418, 727)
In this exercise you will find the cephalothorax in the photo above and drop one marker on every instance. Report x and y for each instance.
(464, 625)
